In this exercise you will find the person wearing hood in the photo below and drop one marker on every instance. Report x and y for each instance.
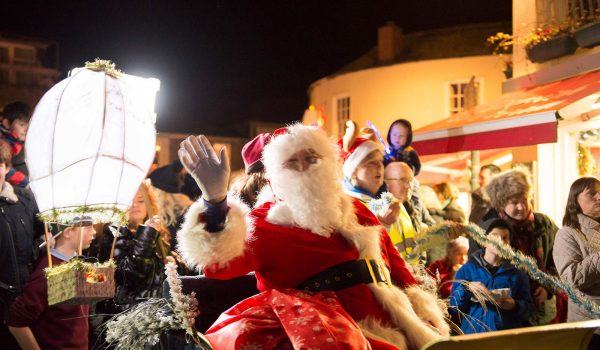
(486, 273)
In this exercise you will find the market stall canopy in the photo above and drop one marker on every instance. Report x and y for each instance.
(520, 118)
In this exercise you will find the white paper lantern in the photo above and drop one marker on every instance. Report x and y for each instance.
(90, 143)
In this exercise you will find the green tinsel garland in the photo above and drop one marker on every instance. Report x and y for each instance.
(100, 213)
(449, 230)
(106, 66)
(76, 264)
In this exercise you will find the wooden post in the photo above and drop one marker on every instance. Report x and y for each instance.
(475, 166)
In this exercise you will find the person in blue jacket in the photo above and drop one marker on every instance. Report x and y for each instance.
(487, 273)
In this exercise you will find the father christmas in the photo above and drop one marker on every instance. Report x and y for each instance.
(328, 273)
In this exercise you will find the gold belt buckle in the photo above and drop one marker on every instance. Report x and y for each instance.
(382, 272)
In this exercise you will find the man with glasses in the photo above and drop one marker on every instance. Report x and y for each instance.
(398, 177)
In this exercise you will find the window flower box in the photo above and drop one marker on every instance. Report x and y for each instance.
(558, 46)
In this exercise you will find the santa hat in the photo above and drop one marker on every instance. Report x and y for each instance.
(287, 141)
(252, 153)
(356, 149)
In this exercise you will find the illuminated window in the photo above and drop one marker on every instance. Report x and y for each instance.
(343, 113)
(456, 94)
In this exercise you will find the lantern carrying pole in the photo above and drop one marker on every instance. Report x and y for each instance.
(47, 244)
(80, 250)
(114, 243)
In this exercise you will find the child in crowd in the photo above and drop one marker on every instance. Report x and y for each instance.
(488, 274)
(400, 139)
(456, 255)
(35, 324)
(13, 128)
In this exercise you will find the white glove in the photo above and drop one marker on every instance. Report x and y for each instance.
(210, 172)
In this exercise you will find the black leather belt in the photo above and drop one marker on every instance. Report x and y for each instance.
(345, 275)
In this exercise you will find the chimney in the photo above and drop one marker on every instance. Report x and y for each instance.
(389, 42)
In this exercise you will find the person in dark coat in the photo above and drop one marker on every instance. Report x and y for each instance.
(18, 228)
(141, 250)
(480, 203)
(13, 129)
(448, 195)
(399, 138)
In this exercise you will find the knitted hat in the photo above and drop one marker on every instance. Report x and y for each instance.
(252, 153)
(166, 178)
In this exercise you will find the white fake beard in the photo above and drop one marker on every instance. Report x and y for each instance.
(311, 199)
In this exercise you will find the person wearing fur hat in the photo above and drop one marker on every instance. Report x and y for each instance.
(510, 194)
(327, 273)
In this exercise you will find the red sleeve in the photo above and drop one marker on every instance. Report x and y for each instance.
(398, 270)
(445, 284)
(28, 307)
(237, 267)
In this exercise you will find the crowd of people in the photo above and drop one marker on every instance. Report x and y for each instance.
(330, 232)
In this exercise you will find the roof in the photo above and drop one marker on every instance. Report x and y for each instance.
(461, 41)
(524, 117)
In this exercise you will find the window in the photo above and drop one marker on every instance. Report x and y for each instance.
(24, 55)
(4, 55)
(457, 91)
(342, 113)
(25, 79)
(4, 77)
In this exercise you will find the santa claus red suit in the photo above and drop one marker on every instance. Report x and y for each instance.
(328, 274)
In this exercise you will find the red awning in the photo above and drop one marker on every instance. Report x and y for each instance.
(519, 118)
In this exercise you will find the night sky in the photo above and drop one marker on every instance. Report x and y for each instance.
(223, 63)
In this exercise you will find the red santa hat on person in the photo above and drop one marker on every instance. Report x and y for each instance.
(355, 149)
(252, 153)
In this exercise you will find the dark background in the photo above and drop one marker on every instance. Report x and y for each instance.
(223, 63)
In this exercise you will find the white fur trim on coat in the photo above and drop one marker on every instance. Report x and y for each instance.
(373, 329)
(360, 153)
(405, 318)
(427, 307)
(199, 247)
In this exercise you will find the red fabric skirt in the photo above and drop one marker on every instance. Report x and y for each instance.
(288, 319)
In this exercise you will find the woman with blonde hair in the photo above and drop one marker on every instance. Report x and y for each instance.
(139, 251)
